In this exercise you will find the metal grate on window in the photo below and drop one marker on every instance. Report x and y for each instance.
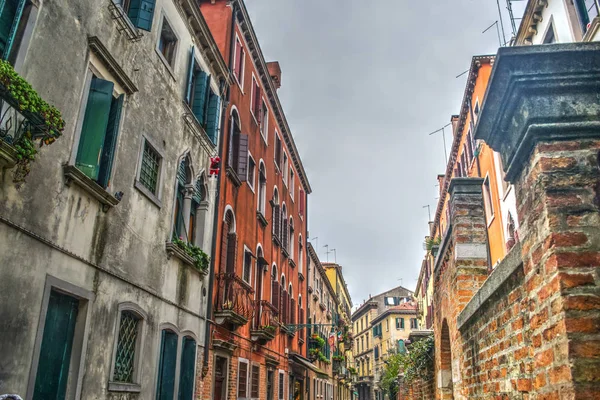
(125, 357)
(150, 168)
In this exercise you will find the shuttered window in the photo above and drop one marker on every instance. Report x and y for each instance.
(255, 100)
(140, 12)
(281, 385)
(254, 383)
(166, 366)
(264, 120)
(238, 66)
(302, 205)
(99, 132)
(187, 369)
(11, 12)
(247, 272)
(213, 114)
(242, 391)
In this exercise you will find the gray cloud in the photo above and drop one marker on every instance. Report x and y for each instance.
(363, 84)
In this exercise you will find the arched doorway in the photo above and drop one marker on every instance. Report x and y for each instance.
(445, 369)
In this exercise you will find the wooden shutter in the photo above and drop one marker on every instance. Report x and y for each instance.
(224, 246)
(278, 151)
(401, 323)
(231, 252)
(276, 220)
(242, 160)
(186, 372)
(110, 141)
(212, 118)
(199, 100)
(284, 232)
(275, 295)
(242, 380)
(254, 382)
(238, 54)
(141, 13)
(94, 127)
(166, 366)
(190, 77)
(284, 307)
(302, 202)
(292, 311)
(10, 16)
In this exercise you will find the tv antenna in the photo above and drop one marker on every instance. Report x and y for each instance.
(428, 212)
(442, 129)
(497, 30)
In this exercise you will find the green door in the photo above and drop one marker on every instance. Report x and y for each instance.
(186, 374)
(55, 352)
(165, 387)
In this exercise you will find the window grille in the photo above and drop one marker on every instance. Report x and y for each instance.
(150, 168)
(126, 347)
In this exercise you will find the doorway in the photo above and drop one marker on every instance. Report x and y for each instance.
(220, 388)
(270, 375)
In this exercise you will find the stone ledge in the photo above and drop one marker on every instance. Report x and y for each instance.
(8, 155)
(465, 186)
(503, 271)
(74, 175)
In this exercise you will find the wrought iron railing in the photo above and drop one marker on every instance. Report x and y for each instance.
(235, 295)
(266, 316)
(14, 123)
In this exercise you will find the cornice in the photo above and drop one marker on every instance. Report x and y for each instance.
(531, 17)
(245, 24)
(317, 262)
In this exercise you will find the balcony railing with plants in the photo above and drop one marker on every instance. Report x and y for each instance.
(266, 321)
(234, 305)
(318, 349)
(26, 122)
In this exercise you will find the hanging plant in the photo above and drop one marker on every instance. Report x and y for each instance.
(201, 259)
(45, 121)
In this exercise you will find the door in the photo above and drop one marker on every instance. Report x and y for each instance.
(55, 351)
(270, 385)
(219, 392)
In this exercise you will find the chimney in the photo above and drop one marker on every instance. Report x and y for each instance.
(440, 179)
(275, 73)
(454, 121)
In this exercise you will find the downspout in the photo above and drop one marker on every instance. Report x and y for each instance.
(211, 274)
(487, 234)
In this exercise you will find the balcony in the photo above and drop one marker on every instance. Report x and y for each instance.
(265, 323)
(234, 306)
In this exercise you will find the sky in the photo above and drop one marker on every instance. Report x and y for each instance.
(363, 84)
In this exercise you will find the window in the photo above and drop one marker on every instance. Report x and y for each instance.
(367, 340)
(586, 11)
(291, 241)
(251, 172)
(276, 217)
(189, 228)
(99, 131)
(302, 203)
(254, 383)
(262, 188)
(292, 183)
(278, 151)
(140, 12)
(281, 387)
(204, 103)
(239, 62)
(237, 159)
(300, 254)
(229, 241)
(14, 17)
(285, 168)
(242, 389)
(247, 273)
(387, 325)
(377, 352)
(128, 347)
(264, 120)
(167, 43)
(470, 145)
(150, 168)
(165, 386)
(187, 368)
(476, 111)
(414, 323)
(255, 100)
(391, 301)
(550, 36)
(399, 323)
(487, 200)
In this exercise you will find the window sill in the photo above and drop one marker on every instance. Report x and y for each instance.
(240, 84)
(233, 176)
(265, 139)
(285, 252)
(151, 196)
(74, 175)
(276, 240)
(174, 251)
(491, 220)
(8, 155)
(124, 387)
(301, 277)
(166, 63)
(292, 263)
(125, 24)
(261, 218)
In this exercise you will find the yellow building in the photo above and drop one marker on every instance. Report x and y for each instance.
(390, 331)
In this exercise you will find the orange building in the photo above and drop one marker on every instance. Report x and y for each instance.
(259, 293)
(473, 159)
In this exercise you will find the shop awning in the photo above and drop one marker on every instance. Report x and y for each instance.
(298, 359)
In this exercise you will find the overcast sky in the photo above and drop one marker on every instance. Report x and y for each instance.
(363, 83)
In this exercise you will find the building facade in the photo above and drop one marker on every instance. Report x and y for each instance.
(106, 236)
(260, 291)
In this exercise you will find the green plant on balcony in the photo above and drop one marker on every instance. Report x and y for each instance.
(352, 371)
(338, 358)
(430, 243)
(268, 328)
(319, 342)
(201, 259)
(22, 96)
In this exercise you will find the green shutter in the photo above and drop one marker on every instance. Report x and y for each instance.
(199, 102)
(10, 16)
(179, 214)
(110, 142)
(55, 351)
(166, 367)
(190, 80)
(182, 174)
(199, 193)
(186, 373)
(94, 127)
(401, 323)
(141, 13)
(212, 120)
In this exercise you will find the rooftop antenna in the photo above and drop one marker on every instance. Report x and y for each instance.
(400, 281)
(512, 17)
(327, 252)
(334, 255)
(428, 211)
(317, 239)
(501, 23)
(497, 30)
(444, 138)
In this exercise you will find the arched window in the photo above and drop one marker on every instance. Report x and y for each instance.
(300, 255)
(262, 188)
(199, 211)
(183, 202)
(235, 130)
(284, 227)
(276, 218)
(291, 241)
(229, 242)
(275, 289)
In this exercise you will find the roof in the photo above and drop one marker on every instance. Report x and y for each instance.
(404, 308)
(372, 300)
(313, 254)
(341, 275)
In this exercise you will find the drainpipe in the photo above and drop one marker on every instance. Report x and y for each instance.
(211, 274)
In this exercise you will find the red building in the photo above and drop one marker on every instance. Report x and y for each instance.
(259, 292)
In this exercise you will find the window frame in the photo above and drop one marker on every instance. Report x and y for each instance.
(262, 189)
(134, 386)
(291, 183)
(154, 197)
(252, 98)
(237, 386)
(161, 56)
(488, 198)
(280, 385)
(247, 251)
(240, 82)
(264, 124)
(284, 166)
(251, 373)
(251, 183)
(278, 167)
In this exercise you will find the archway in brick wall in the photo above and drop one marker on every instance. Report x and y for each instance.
(445, 369)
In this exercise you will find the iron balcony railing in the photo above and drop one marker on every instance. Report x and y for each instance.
(234, 295)
(266, 316)
(14, 123)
